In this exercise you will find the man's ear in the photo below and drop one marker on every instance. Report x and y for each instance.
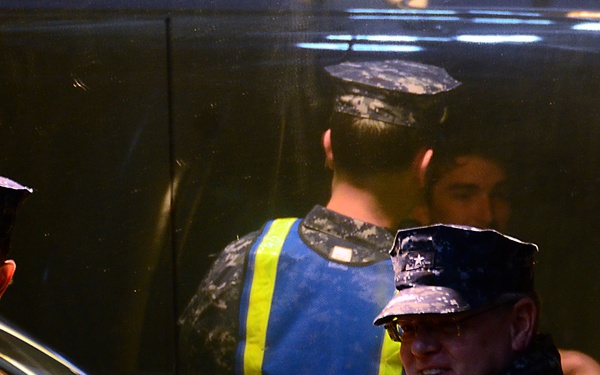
(326, 140)
(7, 270)
(420, 164)
(522, 324)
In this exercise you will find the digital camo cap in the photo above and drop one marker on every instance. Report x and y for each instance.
(444, 269)
(399, 92)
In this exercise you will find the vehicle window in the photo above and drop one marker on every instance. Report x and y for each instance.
(156, 134)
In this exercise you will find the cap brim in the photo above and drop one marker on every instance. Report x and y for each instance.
(422, 300)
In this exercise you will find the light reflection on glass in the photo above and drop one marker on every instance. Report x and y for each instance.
(387, 38)
(511, 21)
(360, 47)
(385, 48)
(583, 14)
(498, 38)
(401, 11)
(339, 37)
(504, 13)
(403, 18)
(325, 46)
(408, 39)
(588, 26)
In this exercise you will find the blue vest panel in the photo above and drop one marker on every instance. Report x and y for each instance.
(321, 313)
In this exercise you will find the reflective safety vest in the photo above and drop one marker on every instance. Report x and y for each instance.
(301, 313)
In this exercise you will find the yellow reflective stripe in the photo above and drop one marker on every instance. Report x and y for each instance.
(261, 294)
(390, 363)
(390, 357)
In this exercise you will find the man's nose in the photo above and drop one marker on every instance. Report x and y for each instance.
(485, 212)
(425, 343)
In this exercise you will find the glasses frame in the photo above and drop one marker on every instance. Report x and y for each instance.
(394, 333)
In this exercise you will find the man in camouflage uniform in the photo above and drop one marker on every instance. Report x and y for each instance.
(466, 304)
(332, 265)
(468, 184)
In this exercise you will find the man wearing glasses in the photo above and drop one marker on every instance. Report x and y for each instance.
(467, 183)
(466, 304)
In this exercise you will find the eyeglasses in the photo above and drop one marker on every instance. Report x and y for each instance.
(442, 328)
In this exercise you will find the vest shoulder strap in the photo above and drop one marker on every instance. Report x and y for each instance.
(266, 258)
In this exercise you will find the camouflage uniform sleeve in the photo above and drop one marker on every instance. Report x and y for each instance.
(209, 324)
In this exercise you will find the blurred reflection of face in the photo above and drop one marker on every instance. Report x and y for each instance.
(473, 193)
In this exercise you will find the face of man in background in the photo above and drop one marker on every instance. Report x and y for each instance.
(473, 193)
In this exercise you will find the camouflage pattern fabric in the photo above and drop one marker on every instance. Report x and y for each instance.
(444, 269)
(393, 91)
(209, 326)
(541, 359)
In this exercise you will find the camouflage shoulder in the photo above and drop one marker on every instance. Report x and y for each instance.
(242, 244)
(223, 281)
(231, 260)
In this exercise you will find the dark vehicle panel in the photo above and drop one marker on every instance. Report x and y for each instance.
(85, 121)
(154, 135)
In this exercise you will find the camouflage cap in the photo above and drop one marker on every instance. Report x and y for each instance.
(394, 91)
(12, 195)
(444, 269)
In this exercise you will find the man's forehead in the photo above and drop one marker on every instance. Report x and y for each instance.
(473, 171)
(477, 160)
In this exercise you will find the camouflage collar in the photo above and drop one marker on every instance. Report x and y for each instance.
(345, 240)
(542, 358)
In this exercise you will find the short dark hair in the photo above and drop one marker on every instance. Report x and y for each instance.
(363, 146)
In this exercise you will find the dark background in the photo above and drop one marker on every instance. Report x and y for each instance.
(155, 135)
